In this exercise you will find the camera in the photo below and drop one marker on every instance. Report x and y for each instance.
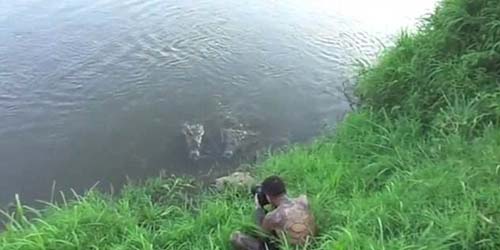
(261, 197)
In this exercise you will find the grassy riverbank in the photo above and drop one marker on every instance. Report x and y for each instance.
(417, 167)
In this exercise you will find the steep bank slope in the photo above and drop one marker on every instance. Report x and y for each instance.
(418, 167)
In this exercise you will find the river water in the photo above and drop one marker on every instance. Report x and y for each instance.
(97, 90)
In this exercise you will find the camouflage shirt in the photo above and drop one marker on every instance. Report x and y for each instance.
(292, 221)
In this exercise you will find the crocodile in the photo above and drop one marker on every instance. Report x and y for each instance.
(193, 134)
(233, 133)
(233, 139)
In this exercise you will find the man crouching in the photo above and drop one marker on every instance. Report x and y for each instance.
(290, 220)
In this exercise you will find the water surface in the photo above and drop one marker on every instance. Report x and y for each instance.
(98, 90)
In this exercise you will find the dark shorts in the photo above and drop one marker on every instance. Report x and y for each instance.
(242, 241)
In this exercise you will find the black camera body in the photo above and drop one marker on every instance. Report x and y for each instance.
(261, 197)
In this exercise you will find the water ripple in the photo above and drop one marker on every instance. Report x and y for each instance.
(89, 86)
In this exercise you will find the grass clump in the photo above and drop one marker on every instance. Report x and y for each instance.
(417, 167)
(447, 74)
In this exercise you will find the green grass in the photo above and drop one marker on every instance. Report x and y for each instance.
(447, 75)
(417, 167)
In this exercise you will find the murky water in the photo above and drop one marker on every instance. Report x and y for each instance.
(98, 90)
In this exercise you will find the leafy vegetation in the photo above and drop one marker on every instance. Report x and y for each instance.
(417, 167)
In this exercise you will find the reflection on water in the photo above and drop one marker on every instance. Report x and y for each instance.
(98, 90)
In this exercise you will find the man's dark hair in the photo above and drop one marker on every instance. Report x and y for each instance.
(273, 186)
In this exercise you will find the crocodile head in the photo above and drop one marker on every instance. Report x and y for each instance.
(232, 140)
(193, 133)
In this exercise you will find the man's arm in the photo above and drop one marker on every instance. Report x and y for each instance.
(268, 222)
(260, 213)
(271, 221)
